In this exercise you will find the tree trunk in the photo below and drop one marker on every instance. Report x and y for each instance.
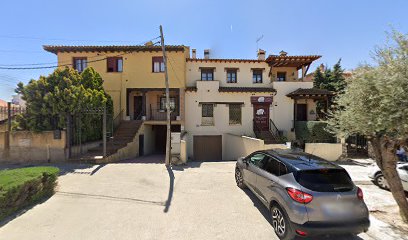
(388, 167)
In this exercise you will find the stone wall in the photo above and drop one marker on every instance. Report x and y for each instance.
(26, 146)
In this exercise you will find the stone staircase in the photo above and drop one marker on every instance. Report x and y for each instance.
(125, 135)
(268, 137)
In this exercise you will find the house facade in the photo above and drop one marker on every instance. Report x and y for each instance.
(251, 97)
(134, 77)
(260, 98)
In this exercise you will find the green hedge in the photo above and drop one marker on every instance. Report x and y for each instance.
(25, 186)
(313, 132)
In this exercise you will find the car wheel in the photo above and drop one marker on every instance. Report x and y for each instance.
(381, 181)
(239, 178)
(281, 224)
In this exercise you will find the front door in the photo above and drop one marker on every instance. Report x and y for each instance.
(301, 112)
(261, 117)
(137, 107)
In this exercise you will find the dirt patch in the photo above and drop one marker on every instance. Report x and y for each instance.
(391, 215)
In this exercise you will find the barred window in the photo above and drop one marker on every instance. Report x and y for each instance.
(235, 114)
(207, 114)
(231, 76)
(257, 76)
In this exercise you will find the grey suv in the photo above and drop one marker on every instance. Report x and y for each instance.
(306, 195)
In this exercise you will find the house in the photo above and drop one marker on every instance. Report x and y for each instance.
(262, 98)
(134, 78)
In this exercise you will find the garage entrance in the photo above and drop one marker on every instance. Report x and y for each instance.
(207, 148)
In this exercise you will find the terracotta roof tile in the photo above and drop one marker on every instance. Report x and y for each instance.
(113, 48)
(223, 60)
(310, 91)
(246, 89)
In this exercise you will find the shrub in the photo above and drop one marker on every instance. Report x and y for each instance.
(25, 186)
(313, 132)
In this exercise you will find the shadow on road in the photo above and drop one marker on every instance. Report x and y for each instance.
(265, 213)
(171, 189)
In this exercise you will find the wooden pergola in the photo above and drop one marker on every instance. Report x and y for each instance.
(309, 93)
(300, 62)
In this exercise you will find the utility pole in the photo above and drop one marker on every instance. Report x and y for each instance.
(168, 134)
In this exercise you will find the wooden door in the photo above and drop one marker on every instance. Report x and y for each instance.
(207, 148)
(301, 112)
(261, 117)
(137, 107)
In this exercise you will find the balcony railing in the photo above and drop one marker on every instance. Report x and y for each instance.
(161, 115)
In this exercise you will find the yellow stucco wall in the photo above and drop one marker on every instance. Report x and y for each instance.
(137, 71)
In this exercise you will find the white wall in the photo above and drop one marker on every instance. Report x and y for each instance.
(328, 151)
(282, 107)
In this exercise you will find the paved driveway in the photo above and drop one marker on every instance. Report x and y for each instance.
(144, 200)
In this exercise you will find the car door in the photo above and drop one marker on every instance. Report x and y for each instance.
(403, 173)
(268, 179)
(252, 169)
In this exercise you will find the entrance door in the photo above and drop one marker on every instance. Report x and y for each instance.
(261, 117)
(301, 112)
(137, 107)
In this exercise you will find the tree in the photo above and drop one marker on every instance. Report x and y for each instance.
(375, 104)
(331, 80)
(49, 99)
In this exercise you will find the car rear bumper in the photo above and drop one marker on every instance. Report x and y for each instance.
(328, 228)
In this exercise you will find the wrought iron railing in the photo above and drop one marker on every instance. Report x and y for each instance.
(274, 130)
(117, 119)
(161, 115)
(12, 111)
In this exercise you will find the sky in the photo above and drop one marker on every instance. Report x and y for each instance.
(346, 29)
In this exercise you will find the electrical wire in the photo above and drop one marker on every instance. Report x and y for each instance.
(59, 39)
(17, 66)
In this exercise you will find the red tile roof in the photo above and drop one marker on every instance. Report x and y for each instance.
(310, 92)
(223, 60)
(238, 89)
(291, 61)
(113, 48)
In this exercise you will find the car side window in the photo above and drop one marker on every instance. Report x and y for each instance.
(258, 159)
(275, 167)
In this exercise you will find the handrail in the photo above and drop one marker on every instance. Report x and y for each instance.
(117, 119)
(273, 129)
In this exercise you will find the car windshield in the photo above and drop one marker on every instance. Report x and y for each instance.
(325, 180)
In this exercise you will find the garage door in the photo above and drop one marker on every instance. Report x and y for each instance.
(207, 148)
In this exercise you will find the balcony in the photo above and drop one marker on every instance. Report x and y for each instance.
(155, 114)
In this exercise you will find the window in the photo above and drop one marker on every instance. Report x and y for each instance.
(257, 76)
(207, 74)
(325, 180)
(275, 167)
(163, 103)
(231, 76)
(235, 114)
(207, 114)
(114, 64)
(157, 64)
(281, 76)
(80, 63)
(258, 159)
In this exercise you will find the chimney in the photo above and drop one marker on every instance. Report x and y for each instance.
(261, 54)
(283, 53)
(322, 67)
(193, 53)
(206, 53)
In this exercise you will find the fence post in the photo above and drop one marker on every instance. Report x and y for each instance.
(104, 130)
(7, 136)
(68, 134)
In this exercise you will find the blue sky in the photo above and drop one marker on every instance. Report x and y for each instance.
(346, 29)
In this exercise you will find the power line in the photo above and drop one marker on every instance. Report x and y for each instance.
(16, 66)
(59, 39)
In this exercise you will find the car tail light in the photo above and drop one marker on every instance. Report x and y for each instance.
(360, 194)
(299, 196)
(301, 233)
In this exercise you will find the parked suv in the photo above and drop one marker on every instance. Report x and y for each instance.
(306, 195)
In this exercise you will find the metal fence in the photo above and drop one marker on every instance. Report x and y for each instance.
(10, 111)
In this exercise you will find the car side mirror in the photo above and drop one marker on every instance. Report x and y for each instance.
(245, 160)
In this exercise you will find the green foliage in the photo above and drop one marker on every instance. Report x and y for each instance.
(332, 80)
(50, 99)
(375, 101)
(313, 132)
(25, 186)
